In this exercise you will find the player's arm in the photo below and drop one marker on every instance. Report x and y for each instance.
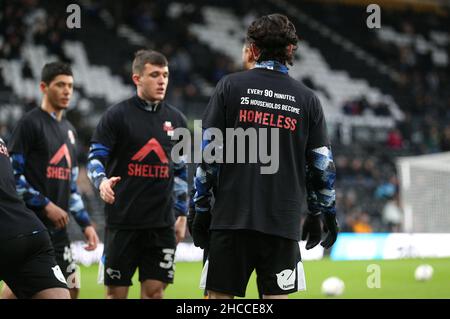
(103, 142)
(321, 197)
(30, 195)
(207, 172)
(320, 178)
(205, 178)
(321, 175)
(20, 145)
(80, 214)
(180, 193)
(191, 211)
(40, 204)
(97, 159)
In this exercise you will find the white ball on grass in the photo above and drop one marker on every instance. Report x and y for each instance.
(423, 272)
(333, 286)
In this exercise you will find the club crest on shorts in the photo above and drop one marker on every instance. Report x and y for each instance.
(286, 279)
(167, 126)
(113, 274)
(71, 136)
(58, 274)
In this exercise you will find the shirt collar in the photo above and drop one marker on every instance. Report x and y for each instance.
(272, 65)
(147, 105)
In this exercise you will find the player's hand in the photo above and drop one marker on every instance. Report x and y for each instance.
(331, 227)
(106, 189)
(180, 228)
(56, 215)
(312, 231)
(200, 229)
(91, 238)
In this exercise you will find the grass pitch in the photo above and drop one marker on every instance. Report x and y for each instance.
(396, 280)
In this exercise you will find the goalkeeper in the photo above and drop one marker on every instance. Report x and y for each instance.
(254, 223)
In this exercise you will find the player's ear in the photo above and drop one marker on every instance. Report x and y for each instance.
(136, 77)
(251, 58)
(290, 49)
(255, 52)
(43, 87)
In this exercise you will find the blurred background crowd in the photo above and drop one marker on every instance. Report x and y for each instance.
(406, 60)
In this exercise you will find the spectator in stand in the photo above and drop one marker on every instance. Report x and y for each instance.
(369, 169)
(392, 214)
(357, 170)
(445, 140)
(387, 189)
(351, 108)
(362, 223)
(395, 139)
(342, 166)
(433, 140)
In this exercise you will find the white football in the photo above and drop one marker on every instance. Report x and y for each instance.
(423, 273)
(333, 286)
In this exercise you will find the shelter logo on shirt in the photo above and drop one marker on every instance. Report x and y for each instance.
(150, 170)
(54, 170)
(167, 127)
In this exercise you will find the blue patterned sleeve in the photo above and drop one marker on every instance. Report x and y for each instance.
(205, 178)
(97, 159)
(180, 189)
(30, 196)
(321, 175)
(76, 205)
(191, 197)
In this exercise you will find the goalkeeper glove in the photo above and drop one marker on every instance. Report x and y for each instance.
(311, 230)
(331, 227)
(200, 229)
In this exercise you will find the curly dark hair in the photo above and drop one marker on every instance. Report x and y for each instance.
(272, 34)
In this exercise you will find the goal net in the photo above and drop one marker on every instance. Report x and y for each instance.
(425, 192)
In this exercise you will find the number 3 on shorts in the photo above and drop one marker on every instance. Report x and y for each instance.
(168, 258)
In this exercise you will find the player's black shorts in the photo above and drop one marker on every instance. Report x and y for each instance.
(234, 254)
(64, 258)
(28, 265)
(150, 250)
